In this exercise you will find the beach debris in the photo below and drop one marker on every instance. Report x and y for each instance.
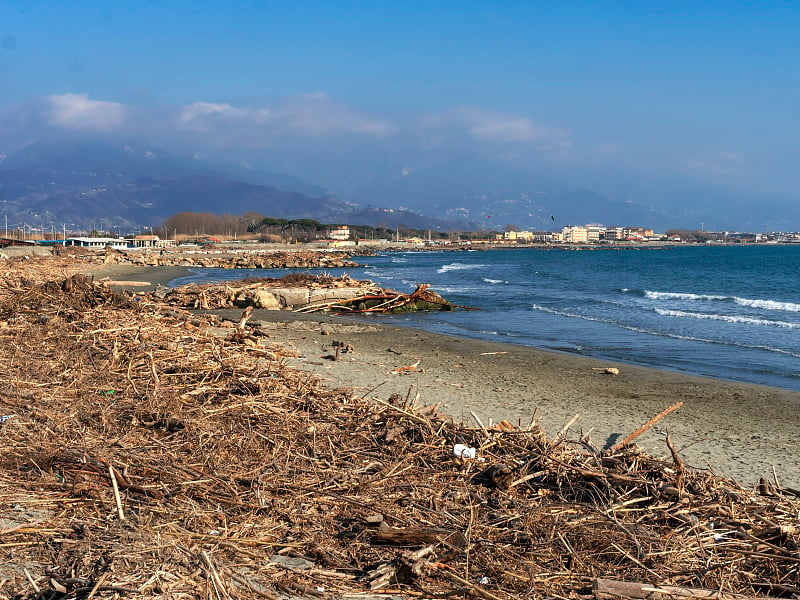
(635, 434)
(609, 589)
(463, 451)
(248, 312)
(408, 368)
(238, 477)
(306, 293)
(344, 347)
(606, 370)
(340, 348)
(219, 258)
(385, 301)
(124, 283)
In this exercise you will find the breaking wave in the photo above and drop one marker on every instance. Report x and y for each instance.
(666, 334)
(749, 302)
(727, 318)
(768, 304)
(458, 267)
(682, 296)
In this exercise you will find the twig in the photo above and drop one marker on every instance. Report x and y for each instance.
(115, 487)
(628, 439)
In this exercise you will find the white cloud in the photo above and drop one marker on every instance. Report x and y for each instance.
(496, 127)
(78, 112)
(317, 115)
(201, 114)
(310, 115)
(506, 129)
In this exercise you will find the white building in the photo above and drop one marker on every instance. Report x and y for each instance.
(575, 234)
(339, 233)
(97, 242)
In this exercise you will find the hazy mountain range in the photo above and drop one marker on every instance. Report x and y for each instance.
(115, 184)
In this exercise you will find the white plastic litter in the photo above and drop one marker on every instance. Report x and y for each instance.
(462, 451)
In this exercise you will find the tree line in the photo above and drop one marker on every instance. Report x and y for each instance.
(271, 229)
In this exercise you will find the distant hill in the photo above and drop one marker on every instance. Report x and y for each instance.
(93, 184)
(496, 192)
(493, 194)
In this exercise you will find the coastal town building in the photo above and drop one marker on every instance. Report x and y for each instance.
(341, 233)
(626, 234)
(575, 234)
(139, 241)
(151, 241)
(97, 242)
(518, 236)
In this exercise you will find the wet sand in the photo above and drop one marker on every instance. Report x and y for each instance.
(737, 429)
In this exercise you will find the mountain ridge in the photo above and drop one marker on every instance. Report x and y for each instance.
(131, 183)
(87, 184)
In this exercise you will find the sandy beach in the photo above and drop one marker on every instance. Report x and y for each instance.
(739, 430)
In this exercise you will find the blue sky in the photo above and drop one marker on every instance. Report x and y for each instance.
(691, 89)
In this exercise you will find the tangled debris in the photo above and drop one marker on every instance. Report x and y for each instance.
(149, 452)
(231, 259)
(306, 293)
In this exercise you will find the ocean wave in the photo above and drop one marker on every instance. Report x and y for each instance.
(768, 304)
(682, 296)
(494, 281)
(666, 334)
(378, 275)
(458, 267)
(775, 305)
(727, 318)
(456, 289)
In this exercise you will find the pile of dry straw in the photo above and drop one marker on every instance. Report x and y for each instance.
(146, 451)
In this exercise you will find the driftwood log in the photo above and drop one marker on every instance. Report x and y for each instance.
(610, 589)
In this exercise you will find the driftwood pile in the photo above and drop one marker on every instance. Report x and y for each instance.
(249, 259)
(148, 452)
(305, 293)
(47, 268)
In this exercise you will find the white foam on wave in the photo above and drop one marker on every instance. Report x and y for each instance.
(768, 304)
(458, 267)
(727, 318)
(375, 274)
(675, 336)
(456, 289)
(682, 296)
(494, 281)
(748, 302)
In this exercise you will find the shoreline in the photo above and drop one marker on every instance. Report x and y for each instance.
(741, 430)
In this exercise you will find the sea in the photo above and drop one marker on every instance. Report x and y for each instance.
(729, 312)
